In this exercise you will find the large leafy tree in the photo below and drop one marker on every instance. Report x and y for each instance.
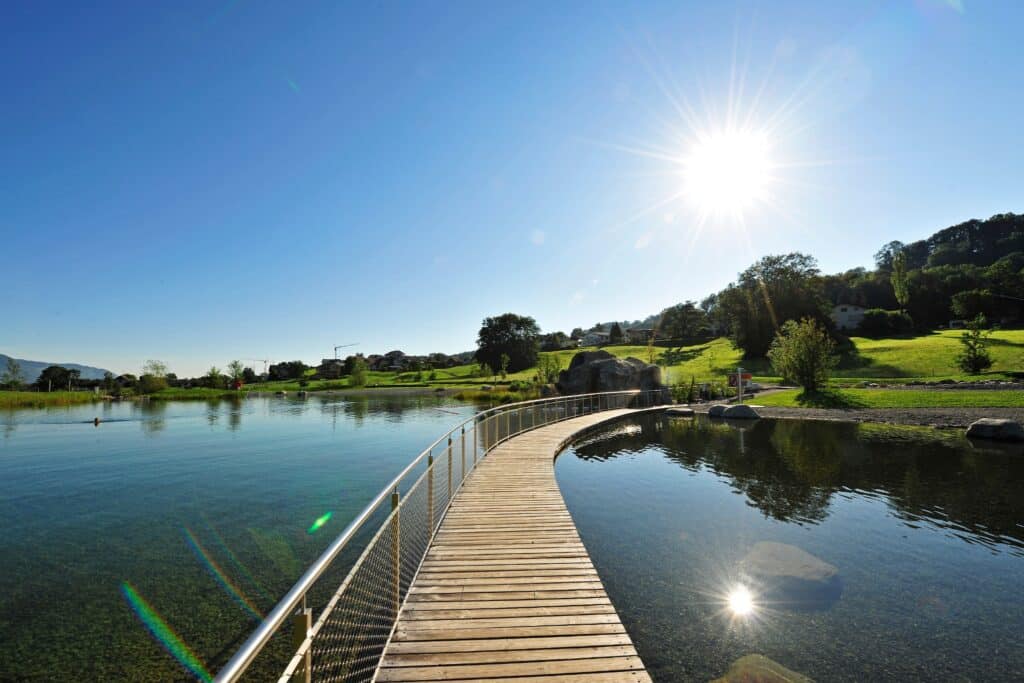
(804, 353)
(57, 377)
(511, 334)
(767, 294)
(683, 321)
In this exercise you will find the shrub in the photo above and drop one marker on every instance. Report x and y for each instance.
(357, 378)
(975, 356)
(880, 323)
(802, 352)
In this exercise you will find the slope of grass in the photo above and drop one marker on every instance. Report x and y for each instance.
(895, 398)
(931, 355)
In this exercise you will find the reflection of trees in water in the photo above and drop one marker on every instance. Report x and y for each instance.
(152, 416)
(212, 411)
(789, 469)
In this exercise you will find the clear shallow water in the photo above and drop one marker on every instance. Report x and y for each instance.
(204, 509)
(926, 531)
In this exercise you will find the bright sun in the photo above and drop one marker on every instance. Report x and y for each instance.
(741, 602)
(725, 172)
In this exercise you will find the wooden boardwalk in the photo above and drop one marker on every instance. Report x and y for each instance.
(507, 591)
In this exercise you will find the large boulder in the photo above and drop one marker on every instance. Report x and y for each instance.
(791, 577)
(740, 411)
(717, 410)
(996, 429)
(594, 371)
(760, 669)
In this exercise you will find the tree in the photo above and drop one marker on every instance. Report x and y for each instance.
(767, 294)
(156, 368)
(554, 341)
(108, 381)
(510, 334)
(548, 368)
(213, 378)
(975, 356)
(13, 377)
(357, 375)
(54, 377)
(683, 321)
(290, 370)
(151, 384)
(615, 335)
(236, 371)
(898, 277)
(971, 303)
(803, 352)
(884, 257)
(505, 358)
(576, 334)
(249, 376)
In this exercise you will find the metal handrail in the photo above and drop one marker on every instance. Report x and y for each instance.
(295, 597)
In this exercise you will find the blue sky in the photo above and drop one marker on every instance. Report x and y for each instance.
(197, 182)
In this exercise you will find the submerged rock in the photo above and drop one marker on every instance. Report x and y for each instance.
(716, 410)
(740, 411)
(791, 576)
(760, 669)
(996, 429)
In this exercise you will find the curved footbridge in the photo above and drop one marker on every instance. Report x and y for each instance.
(507, 591)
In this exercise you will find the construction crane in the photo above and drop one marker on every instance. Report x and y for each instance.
(342, 346)
(259, 360)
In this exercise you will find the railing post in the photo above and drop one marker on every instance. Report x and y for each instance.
(449, 469)
(302, 621)
(462, 451)
(476, 440)
(430, 493)
(396, 550)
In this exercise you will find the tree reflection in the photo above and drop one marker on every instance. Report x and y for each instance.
(790, 469)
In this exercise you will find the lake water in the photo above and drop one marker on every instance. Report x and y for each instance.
(925, 531)
(200, 513)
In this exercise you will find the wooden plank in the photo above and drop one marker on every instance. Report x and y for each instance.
(507, 591)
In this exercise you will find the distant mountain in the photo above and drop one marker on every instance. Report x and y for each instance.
(30, 369)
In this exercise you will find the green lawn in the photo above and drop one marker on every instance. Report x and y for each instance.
(895, 398)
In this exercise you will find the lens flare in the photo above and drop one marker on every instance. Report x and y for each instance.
(164, 634)
(741, 602)
(320, 521)
(222, 544)
(219, 576)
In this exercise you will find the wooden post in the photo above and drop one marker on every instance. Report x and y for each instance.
(462, 450)
(449, 469)
(396, 549)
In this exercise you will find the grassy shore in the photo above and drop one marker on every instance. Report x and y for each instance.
(43, 399)
(894, 398)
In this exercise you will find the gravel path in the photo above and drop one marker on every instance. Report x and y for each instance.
(929, 417)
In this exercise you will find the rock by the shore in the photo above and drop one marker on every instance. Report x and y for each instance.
(791, 576)
(740, 411)
(760, 669)
(717, 410)
(996, 429)
(594, 371)
(679, 411)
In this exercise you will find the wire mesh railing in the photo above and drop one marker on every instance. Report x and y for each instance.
(341, 622)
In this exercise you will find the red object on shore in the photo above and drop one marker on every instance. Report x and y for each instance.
(238, 384)
(746, 378)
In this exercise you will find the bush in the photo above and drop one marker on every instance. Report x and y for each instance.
(151, 384)
(357, 378)
(802, 352)
(881, 323)
(975, 356)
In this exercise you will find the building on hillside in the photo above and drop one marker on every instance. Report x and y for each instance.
(639, 335)
(595, 338)
(847, 316)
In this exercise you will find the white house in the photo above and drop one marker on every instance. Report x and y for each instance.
(847, 316)
(594, 338)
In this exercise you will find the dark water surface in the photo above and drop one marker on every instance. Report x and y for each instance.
(926, 531)
(203, 509)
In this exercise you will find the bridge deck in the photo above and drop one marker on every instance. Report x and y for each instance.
(507, 591)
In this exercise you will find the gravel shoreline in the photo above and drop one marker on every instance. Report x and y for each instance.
(942, 418)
